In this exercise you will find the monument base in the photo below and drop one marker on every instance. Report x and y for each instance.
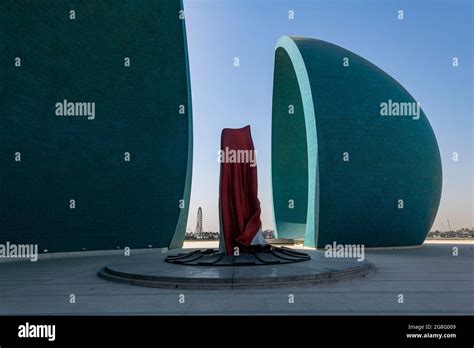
(212, 257)
(153, 270)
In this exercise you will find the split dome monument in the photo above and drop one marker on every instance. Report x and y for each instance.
(342, 170)
(121, 178)
(348, 167)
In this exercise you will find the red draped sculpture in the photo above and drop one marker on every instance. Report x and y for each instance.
(239, 207)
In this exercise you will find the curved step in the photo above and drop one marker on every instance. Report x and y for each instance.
(235, 281)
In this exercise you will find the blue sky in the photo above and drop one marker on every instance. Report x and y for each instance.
(417, 51)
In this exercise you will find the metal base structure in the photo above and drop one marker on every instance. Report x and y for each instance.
(212, 257)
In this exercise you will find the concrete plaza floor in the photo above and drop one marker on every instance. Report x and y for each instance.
(431, 280)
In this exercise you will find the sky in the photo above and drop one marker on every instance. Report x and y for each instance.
(417, 51)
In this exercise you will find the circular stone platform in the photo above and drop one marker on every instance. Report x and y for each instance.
(151, 270)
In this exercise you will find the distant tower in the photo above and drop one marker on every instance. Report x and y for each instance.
(198, 231)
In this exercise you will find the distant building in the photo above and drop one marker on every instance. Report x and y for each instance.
(268, 234)
(462, 233)
(198, 232)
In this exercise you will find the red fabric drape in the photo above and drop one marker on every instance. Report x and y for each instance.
(239, 205)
